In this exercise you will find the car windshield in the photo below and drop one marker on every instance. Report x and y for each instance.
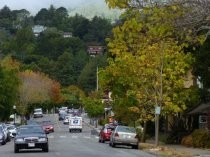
(38, 110)
(30, 130)
(126, 129)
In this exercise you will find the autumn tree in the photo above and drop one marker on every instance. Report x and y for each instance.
(36, 88)
(148, 59)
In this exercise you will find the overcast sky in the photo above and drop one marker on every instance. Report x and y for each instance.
(34, 6)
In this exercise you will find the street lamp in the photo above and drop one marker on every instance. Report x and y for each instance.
(14, 108)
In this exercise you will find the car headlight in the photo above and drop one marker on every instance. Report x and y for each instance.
(42, 139)
(1, 136)
(19, 140)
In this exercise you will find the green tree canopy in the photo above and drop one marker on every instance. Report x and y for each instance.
(9, 86)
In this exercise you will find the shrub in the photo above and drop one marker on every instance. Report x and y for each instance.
(200, 138)
(187, 141)
(139, 133)
(103, 121)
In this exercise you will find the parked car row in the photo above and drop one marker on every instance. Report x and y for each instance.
(119, 135)
(6, 132)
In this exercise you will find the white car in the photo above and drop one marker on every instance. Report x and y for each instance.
(66, 119)
(12, 130)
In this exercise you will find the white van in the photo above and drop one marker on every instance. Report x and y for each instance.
(38, 112)
(75, 123)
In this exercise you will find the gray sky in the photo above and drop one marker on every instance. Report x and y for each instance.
(33, 6)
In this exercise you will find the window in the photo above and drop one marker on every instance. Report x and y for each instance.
(202, 119)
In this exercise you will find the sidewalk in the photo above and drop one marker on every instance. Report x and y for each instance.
(173, 150)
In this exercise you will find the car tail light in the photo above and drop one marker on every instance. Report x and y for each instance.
(116, 134)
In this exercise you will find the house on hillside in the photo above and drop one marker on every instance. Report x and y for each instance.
(37, 29)
(67, 34)
(95, 50)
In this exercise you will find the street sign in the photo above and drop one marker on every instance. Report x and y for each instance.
(157, 110)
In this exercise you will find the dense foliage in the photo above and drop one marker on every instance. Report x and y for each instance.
(49, 62)
(63, 59)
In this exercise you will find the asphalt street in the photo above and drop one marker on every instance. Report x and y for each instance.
(76, 144)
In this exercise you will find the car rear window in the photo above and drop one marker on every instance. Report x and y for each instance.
(29, 130)
(126, 129)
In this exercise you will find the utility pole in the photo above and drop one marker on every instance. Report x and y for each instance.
(97, 78)
(157, 113)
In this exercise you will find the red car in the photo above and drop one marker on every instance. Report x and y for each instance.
(47, 126)
(105, 133)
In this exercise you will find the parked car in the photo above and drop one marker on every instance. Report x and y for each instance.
(47, 126)
(38, 113)
(124, 135)
(5, 131)
(30, 137)
(3, 139)
(105, 133)
(12, 130)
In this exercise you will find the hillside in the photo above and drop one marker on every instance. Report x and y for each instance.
(94, 7)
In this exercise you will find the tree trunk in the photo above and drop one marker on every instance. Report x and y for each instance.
(143, 138)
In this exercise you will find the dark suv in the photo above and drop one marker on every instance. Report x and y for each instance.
(105, 132)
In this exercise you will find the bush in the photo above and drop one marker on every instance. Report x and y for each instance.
(200, 138)
(103, 121)
(139, 133)
(187, 141)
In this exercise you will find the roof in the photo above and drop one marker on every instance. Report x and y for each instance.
(202, 108)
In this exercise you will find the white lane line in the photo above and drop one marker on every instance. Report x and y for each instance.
(86, 137)
(51, 136)
(74, 136)
(62, 136)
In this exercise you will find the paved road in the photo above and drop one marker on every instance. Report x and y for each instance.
(65, 144)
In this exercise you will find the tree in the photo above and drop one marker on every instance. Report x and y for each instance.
(22, 18)
(64, 69)
(93, 106)
(6, 18)
(42, 17)
(9, 86)
(73, 95)
(79, 25)
(148, 60)
(36, 88)
(88, 75)
(98, 30)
